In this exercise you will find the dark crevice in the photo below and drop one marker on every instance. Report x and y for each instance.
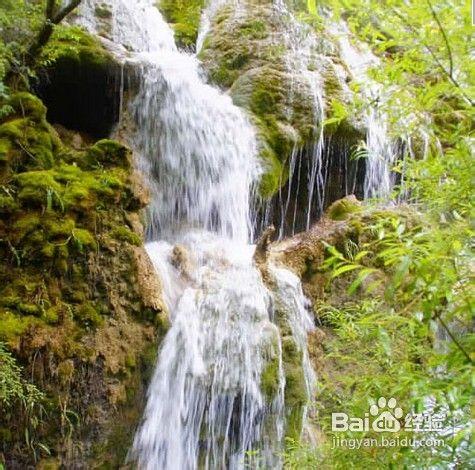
(82, 96)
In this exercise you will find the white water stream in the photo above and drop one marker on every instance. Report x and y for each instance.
(198, 152)
(381, 151)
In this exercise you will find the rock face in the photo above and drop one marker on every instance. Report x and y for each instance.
(286, 71)
(80, 306)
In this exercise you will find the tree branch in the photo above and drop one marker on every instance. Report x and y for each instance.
(50, 8)
(441, 66)
(65, 11)
(44, 35)
(444, 35)
(453, 338)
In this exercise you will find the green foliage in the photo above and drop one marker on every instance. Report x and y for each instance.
(403, 331)
(21, 399)
(71, 45)
(14, 389)
(338, 114)
(404, 326)
(19, 21)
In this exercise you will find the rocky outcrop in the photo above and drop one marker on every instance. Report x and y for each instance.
(184, 17)
(348, 227)
(283, 71)
(80, 306)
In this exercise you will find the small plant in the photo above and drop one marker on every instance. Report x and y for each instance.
(20, 400)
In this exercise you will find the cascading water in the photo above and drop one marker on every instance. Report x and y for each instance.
(205, 405)
(381, 150)
(301, 44)
(306, 162)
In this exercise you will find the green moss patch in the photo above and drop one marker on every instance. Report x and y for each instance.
(72, 308)
(58, 207)
(184, 16)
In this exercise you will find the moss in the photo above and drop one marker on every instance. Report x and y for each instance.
(343, 208)
(109, 153)
(13, 326)
(65, 370)
(34, 187)
(242, 53)
(71, 45)
(125, 234)
(270, 379)
(111, 451)
(263, 92)
(162, 323)
(88, 315)
(5, 148)
(293, 425)
(57, 288)
(59, 229)
(7, 203)
(28, 309)
(83, 238)
(295, 387)
(26, 104)
(273, 173)
(51, 315)
(5, 435)
(31, 139)
(14, 129)
(25, 224)
(255, 29)
(184, 16)
(49, 464)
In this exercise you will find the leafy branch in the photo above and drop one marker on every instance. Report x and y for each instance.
(440, 65)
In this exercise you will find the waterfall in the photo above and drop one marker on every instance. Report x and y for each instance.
(381, 151)
(206, 407)
(306, 162)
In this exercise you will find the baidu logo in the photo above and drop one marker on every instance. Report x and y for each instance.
(383, 416)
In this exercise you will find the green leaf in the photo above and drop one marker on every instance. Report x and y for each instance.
(344, 269)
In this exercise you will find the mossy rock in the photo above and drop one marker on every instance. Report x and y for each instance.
(12, 327)
(26, 104)
(69, 291)
(28, 141)
(88, 315)
(295, 387)
(102, 11)
(241, 54)
(74, 44)
(246, 53)
(125, 234)
(109, 153)
(184, 17)
(270, 378)
(344, 208)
